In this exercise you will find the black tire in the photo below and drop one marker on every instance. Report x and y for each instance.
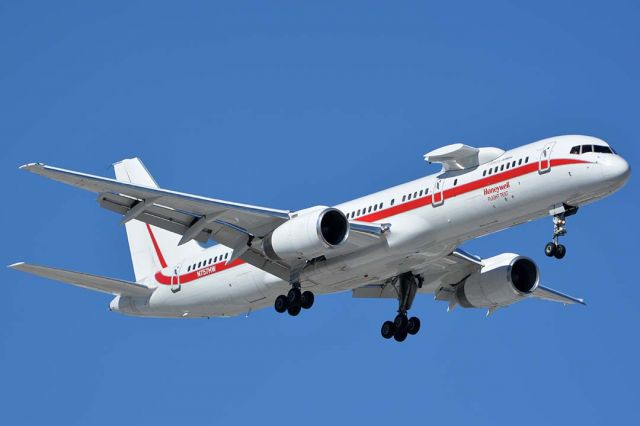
(400, 322)
(294, 310)
(550, 249)
(400, 335)
(294, 296)
(388, 330)
(306, 300)
(281, 304)
(561, 251)
(413, 326)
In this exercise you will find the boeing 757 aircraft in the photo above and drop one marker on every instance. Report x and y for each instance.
(396, 243)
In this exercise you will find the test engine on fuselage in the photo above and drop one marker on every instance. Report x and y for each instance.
(308, 235)
(505, 279)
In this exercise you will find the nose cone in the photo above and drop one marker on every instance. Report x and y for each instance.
(616, 170)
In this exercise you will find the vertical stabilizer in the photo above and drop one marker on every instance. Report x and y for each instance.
(151, 248)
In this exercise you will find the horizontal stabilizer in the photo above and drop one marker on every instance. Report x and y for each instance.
(92, 282)
(546, 293)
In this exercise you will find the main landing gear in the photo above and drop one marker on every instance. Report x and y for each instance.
(553, 248)
(294, 301)
(407, 286)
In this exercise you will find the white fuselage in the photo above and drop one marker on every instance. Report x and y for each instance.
(428, 217)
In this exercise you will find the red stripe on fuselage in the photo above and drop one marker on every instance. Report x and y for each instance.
(390, 211)
(200, 273)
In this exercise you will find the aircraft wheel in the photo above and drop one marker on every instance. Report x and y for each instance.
(294, 310)
(400, 322)
(561, 251)
(400, 335)
(550, 249)
(413, 325)
(388, 330)
(281, 304)
(294, 296)
(306, 299)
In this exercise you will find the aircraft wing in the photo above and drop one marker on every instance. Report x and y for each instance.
(92, 282)
(175, 211)
(546, 293)
(234, 225)
(192, 216)
(441, 276)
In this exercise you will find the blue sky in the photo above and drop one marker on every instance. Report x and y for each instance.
(288, 105)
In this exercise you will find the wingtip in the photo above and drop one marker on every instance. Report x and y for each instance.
(15, 265)
(30, 166)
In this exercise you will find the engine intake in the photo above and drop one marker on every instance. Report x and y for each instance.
(505, 279)
(307, 236)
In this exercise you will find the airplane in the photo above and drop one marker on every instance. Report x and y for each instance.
(396, 243)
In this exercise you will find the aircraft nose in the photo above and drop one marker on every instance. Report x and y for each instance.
(616, 170)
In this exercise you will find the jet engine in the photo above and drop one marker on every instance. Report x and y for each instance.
(308, 235)
(505, 279)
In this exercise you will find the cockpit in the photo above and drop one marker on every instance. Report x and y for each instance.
(583, 149)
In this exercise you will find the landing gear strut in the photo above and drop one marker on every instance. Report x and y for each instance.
(407, 286)
(554, 248)
(294, 301)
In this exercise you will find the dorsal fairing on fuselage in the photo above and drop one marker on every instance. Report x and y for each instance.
(459, 156)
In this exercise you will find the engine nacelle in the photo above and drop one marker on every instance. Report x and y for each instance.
(505, 279)
(308, 235)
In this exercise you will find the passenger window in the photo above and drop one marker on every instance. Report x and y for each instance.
(508, 164)
(226, 255)
(409, 197)
(404, 197)
(502, 167)
(375, 207)
(199, 263)
(415, 194)
(188, 268)
(426, 191)
(369, 209)
(575, 150)
(455, 182)
(215, 259)
(495, 170)
(484, 172)
(587, 148)
(520, 162)
(421, 191)
(526, 160)
(393, 201)
(381, 204)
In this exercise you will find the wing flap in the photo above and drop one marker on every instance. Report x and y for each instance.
(80, 279)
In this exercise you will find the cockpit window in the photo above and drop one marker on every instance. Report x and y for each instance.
(602, 149)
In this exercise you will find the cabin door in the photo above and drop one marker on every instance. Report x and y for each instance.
(544, 165)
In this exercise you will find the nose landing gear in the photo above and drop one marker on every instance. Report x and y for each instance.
(554, 248)
(407, 286)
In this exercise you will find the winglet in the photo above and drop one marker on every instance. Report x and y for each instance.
(15, 265)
